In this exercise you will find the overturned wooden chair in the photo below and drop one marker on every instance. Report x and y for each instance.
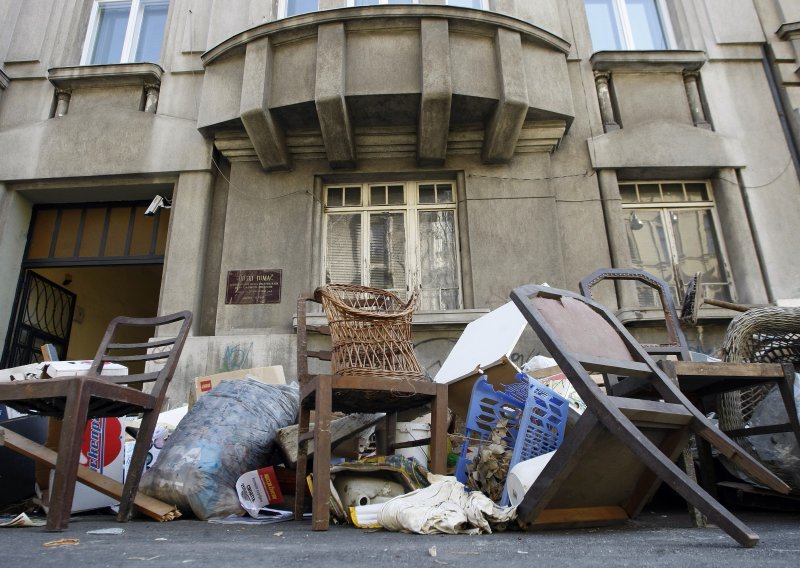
(75, 400)
(373, 368)
(620, 450)
(709, 384)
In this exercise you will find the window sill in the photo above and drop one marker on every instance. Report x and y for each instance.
(668, 61)
(445, 319)
(117, 75)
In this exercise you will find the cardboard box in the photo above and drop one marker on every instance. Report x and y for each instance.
(271, 375)
(258, 489)
(102, 451)
(483, 348)
(75, 368)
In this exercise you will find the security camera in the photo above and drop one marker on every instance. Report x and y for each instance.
(158, 203)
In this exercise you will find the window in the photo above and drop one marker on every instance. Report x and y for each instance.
(295, 7)
(395, 236)
(672, 233)
(628, 24)
(125, 32)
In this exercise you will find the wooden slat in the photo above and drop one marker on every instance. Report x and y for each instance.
(595, 364)
(151, 507)
(148, 345)
(650, 411)
(685, 369)
(142, 357)
(321, 354)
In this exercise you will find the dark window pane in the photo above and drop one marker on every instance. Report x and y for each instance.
(427, 194)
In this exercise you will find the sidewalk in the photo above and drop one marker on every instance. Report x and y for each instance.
(656, 538)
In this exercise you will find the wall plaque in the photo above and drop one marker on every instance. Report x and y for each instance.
(253, 287)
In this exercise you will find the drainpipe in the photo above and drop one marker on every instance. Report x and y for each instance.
(791, 128)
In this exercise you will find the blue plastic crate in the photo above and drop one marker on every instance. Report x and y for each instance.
(537, 419)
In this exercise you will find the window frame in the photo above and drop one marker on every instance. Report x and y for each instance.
(663, 207)
(626, 30)
(411, 208)
(132, 30)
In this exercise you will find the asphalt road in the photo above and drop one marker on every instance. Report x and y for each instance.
(656, 538)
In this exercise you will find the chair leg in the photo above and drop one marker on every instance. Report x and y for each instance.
(320, 500)
(143, 442)
(302, 460)
(438, 447)
(62, 490)
(786, 387)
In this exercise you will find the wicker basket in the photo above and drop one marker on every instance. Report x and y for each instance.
(370, 332)
(761, 335)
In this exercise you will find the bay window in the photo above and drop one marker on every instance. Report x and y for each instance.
(395, 236)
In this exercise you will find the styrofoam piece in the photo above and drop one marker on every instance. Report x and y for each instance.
(484, 342)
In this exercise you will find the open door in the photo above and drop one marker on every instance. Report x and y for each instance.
(43, 314)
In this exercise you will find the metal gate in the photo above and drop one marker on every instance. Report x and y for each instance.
(42, 314)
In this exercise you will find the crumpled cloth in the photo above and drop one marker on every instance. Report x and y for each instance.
(444, 507)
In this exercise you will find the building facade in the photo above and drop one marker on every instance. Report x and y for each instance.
(225, 156)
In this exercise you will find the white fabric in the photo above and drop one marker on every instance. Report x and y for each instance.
(444, 507)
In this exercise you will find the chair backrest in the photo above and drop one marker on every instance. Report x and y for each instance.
(585, 337)
(370, 332)
(115, 349)
(675, 340)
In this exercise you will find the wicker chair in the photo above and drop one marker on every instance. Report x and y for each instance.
(373, 369)
(768, 334)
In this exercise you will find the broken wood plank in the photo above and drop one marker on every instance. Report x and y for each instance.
(341, 429)
(151, 507)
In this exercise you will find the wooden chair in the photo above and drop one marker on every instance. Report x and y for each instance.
(702, 382)
(359, 381)
(75, 400)
(620, 449)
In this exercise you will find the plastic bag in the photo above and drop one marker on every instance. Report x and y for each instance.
(231, 430)
(778, 451)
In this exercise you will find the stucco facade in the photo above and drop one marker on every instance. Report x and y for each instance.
(249, 117)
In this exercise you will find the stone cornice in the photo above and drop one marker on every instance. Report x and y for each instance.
(119, 75)
(386, 12)
(671, 61)
(789, 31)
